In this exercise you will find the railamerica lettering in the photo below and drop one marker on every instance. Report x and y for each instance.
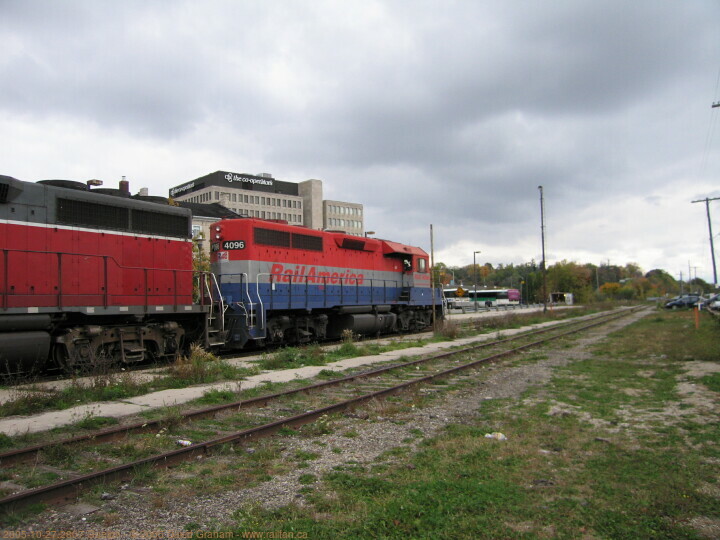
(301, 274)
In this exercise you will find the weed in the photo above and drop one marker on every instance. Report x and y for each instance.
(322, 426)
(712, 381)
(449, 330)
(216, 397)
(5, 441)
(59, 454)
(306, 456)
(327, 374)
(307, 479)
(200, 367)
(92, 422)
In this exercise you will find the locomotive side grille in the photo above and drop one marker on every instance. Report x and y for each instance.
(4, 188)
(159, 223)
(305, 241)
(86, 214)
(349, 243)
(269, 237)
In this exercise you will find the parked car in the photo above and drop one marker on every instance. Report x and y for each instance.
(711, 302)
(682, 302)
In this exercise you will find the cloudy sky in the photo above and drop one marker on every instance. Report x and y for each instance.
(449, 113)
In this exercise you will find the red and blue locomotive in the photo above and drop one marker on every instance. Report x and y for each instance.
(286, 284)
(90, 277)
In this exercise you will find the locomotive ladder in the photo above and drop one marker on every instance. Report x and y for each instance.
(215, 328)
(135, 353)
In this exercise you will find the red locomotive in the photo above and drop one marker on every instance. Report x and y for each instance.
(87, 277)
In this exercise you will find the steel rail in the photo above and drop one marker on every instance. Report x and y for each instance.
(67, 490)
(20, 455)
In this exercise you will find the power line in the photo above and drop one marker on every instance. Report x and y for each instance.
(711, 128)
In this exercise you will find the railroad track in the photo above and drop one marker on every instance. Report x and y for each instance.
(53, 375)
(239, 421)
(35, 382)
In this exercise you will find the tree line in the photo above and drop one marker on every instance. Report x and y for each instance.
(587, 282)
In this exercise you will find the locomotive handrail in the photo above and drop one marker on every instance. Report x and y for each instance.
(222, 303)
(244, 279)
(220, 300)
(92, 255)
(261, 311)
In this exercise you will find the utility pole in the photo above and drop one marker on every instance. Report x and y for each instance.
(681, 284)
(432, 276)
(707, 209)
(476, 277)
(689, 276)
(542, 235)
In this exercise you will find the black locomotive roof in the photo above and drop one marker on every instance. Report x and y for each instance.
(214, 210)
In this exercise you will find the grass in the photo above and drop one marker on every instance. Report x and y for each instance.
(617, 461)
(315, 355)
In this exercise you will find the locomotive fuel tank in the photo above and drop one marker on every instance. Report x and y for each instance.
(23, 340)
(361, 323)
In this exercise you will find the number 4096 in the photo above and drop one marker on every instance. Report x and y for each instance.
(233, 244)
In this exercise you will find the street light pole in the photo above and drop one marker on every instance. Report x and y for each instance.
(476, 278)
(542, 234)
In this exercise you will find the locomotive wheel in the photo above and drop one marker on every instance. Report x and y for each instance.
(83, 359)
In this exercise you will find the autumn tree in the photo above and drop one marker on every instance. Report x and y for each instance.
(570, 277)
(610, 289)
